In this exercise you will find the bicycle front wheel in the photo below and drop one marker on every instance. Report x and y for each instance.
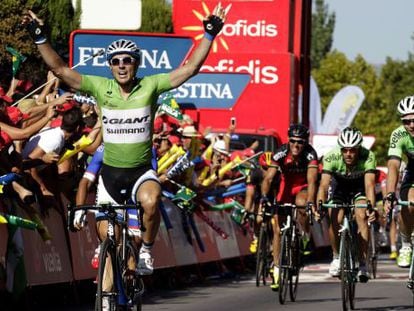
(106, 299)
(347, 277)
(284, 265)
(133, 286)
(295, 269)
(261, 256)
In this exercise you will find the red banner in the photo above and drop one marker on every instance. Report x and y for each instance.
(251, 27)
(266, 101)
(256, 39)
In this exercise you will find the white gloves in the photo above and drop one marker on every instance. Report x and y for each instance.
(79, 220)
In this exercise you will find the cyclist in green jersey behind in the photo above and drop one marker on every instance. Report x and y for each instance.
(127, 155)
(349, 175)
(402, 143)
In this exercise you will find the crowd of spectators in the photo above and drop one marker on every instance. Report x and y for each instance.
(47, 139)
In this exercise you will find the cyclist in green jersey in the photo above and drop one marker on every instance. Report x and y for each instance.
(402, 143)
(128, 106)
(349, 175)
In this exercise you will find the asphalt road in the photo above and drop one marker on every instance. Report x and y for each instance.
(237, 291)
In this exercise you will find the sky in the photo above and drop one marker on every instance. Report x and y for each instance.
(373, 28)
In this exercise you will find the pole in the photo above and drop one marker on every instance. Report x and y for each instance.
(99, 53)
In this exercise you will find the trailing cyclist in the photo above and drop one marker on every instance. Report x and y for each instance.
(253, 189)
(402, 143)
(349, 174)
(297, 163)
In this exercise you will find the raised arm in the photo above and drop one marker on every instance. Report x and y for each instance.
(212, 26)
(59, 68)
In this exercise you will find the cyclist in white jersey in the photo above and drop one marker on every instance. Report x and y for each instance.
(127, 155)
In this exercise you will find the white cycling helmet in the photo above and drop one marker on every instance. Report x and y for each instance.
(406, 106)
(123, 46)
(350, 138)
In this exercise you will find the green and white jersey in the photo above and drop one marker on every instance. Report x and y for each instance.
(127, 123)
(401, 142)
(333, 163)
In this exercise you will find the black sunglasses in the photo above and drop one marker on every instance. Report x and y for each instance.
(407, 121)
(299, 141)
(125, 61)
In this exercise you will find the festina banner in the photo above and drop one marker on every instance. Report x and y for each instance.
(159, 53)
(342, 109)
(212, 90)
(252, 26)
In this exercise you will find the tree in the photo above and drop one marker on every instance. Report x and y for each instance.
(61, 20)
(156, 16)
(323, 25)
(394, 83)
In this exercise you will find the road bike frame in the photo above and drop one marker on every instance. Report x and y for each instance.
(127, 286)
(348, 251)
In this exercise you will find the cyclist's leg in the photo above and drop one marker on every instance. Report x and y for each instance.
(406, 221)
(102, 196)
(149, 195)
(335, 219)
(249, 206)
(276, 223)
(303, 220)
(361, 219)
(393, 239)
(147, 191)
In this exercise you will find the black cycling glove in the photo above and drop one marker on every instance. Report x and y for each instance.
(37, 32)
(391, 197)
(212, 25)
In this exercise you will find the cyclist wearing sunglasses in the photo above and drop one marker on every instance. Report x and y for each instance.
(297, 162)
(402, 143)
(128, 105)
(349, 174)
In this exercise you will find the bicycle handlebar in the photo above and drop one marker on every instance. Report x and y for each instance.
(405, 203)
(103, 207)
(344, 205)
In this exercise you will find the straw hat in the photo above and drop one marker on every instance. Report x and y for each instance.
(190, 131)
(220, 146)
(26, 104)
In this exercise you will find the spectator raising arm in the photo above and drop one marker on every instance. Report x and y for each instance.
(16, 133)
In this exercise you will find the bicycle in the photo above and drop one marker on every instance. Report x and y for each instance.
(348, 251)
(410, 282)
(128, 286)
(264, 253)
(290, 261)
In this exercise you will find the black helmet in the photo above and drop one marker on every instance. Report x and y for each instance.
(298, 130)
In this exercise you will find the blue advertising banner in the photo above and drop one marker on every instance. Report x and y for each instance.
(159, 53)
(212, 90)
